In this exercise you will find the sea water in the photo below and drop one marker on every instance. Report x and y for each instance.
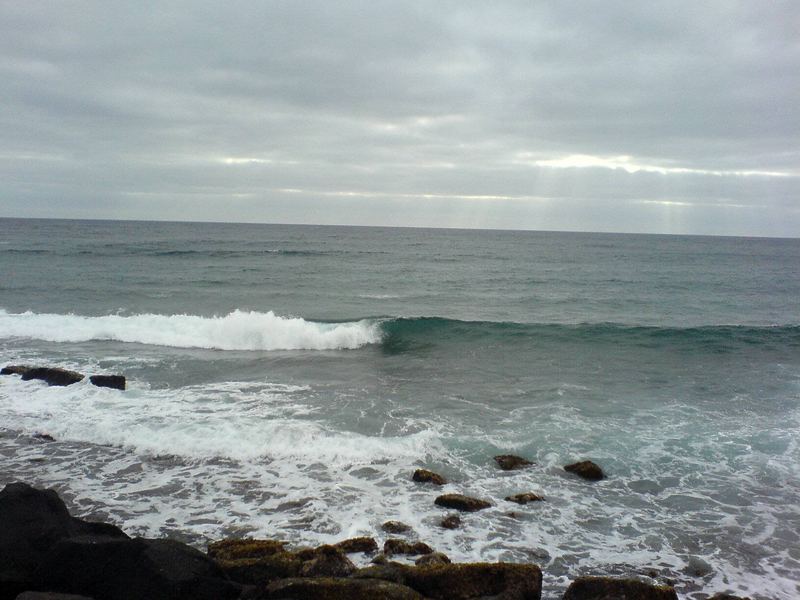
(285, 381)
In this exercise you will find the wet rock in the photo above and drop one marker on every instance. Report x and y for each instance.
(261, 570)
(52, 376)
(379, 559)
(124, 569)
(726, 596)
(15, 370)
(465, 581)
(33, 521)
(116, 382)
(586, 469)
(337, 589)
(509, 462)
(524, 498)
(461, 502)
(234, 549)
(451, 522)
(395, 546)
(328, 561)
(434, 558)
(358, 544)
(697, 567)
(395, 527)
(43, 437)
(425, 476)
(606, 588)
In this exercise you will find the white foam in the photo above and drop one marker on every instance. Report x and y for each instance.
(238, 330)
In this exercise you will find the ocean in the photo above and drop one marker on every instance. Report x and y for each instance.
(285, 382)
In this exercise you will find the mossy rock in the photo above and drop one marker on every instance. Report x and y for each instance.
(426, 476)
(395, 546)
(395, 527)
(358, 544)
(262, 570)
(524, 498)
(461, 502)
(450, 522)
(609, 588)
(326, 588)
(510, 462)
(244, 548)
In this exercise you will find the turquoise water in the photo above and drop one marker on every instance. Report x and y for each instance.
(284, 381)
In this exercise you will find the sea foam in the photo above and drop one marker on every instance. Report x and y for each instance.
(238, 330)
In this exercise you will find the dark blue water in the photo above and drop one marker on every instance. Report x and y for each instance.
(284, 381)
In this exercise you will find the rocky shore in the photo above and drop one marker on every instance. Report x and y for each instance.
(47, 554)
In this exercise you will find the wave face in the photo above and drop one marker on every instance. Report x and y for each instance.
(238, 330)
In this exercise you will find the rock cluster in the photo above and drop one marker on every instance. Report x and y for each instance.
(62, 377)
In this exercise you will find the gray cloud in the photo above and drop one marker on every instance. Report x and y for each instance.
(416, 113)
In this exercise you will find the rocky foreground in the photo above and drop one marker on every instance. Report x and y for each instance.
(46, 554)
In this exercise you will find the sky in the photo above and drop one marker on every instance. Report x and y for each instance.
(654, 117)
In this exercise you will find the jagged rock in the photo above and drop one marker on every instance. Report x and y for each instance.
(608, 588)
(524, 498)
(434, 558)
(232, 549)
(586, 469)
(465, 581)
(358, 544)
(509, 462)
(451, 522)
(15, 370)
(50, 596)
(395, 546)
(425, 476)
(336, 589)
(127, 569)
(33, 521)
(116, 382)
(43, 437)
(52, 376)
(395, 527)
(328, 561)
(461, 502)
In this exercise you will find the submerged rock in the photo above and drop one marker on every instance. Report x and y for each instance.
(461, 502)
(586, 469)
(451, 522)
(358, 544)
(395, 527)
(524, 498)
(116, 382)
(726, 596)
(395, 546)
(509, 462)
(606, 588)
(425, 476)
(43, 437)
(52, 376)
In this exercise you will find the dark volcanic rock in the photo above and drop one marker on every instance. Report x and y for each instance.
(395, 527)
(586, 469)
(508, 462)
(358, 544)
(116, 382)
(52, 376)
(15, 370)
(607, 588)
(460, 502)
(131, 569)
(451, 522)
(336, 589)
(466, 581)
(33, 521)
(425, 476)
(434, 558)
(524, 498)
(395, 546)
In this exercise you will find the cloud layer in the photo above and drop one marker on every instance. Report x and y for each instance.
(611, 116)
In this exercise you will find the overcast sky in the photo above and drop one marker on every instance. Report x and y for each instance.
(671, 117)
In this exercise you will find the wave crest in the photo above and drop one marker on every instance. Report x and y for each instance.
(238, 330)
